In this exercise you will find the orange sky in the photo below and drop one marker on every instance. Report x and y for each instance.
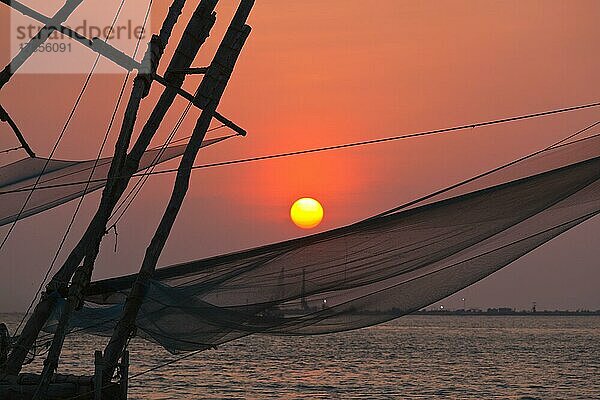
(326, 72)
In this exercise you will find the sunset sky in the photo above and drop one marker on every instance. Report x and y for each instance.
(316, 73)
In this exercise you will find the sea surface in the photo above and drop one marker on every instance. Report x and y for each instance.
(414, 357)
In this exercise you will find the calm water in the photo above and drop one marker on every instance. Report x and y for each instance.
(415, 357)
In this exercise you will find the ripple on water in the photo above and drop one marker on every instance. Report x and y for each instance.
(415, 357)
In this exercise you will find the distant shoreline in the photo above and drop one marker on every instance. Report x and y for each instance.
(470, 313)
(496, 312)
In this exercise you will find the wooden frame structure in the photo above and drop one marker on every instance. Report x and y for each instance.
(70, 282)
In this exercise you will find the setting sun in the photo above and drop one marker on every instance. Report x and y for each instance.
(306, 213)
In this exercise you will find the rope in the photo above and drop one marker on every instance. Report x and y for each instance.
(446, 189)
(48, 160)
(165, 364)
(106, 161)
(114, 226)
(72, 221)
(134, 192)
(144, 372)
(208, 131)
(138, 186)
(11, 149)
(34, 188)
(70, 117)
(130, 197)
(109, 128)
(337, 147)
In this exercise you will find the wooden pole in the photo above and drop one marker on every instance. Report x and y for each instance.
(124, 375)
(141, 86)
(196, 32)
(211, 90)
(98, 381)
(6, 118)
(97, 227)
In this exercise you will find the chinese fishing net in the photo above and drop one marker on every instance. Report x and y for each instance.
(58, 181)
(368, 272)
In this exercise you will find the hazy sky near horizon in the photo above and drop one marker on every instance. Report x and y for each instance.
(319, 73)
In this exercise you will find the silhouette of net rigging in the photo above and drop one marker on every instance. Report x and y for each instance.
(365, 273)
(62, 181)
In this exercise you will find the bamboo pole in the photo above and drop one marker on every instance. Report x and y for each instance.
(210, 91)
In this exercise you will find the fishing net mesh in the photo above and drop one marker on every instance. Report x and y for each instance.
(57, 181)
(366, 273)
